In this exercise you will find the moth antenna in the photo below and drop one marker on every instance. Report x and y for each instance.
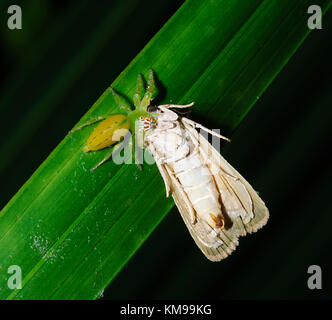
(197, 125)
(178, 106)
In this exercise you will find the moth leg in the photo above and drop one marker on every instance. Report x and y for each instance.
(161, 169)
(108, 155)
(197, 125)
(92, 121)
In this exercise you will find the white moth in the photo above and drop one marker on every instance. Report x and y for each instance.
(216, 203)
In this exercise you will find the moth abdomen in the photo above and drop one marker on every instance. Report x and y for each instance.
(180, 155)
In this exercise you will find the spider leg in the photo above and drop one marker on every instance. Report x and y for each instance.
(120, 101)
(150, 93)
(134, 155)
(152, 88)
(108, 155)
(88, 123)
(139, 92)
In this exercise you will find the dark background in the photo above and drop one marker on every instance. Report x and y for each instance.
(57, 66)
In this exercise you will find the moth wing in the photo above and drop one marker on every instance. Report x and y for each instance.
(214, 244)
(241, 202)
